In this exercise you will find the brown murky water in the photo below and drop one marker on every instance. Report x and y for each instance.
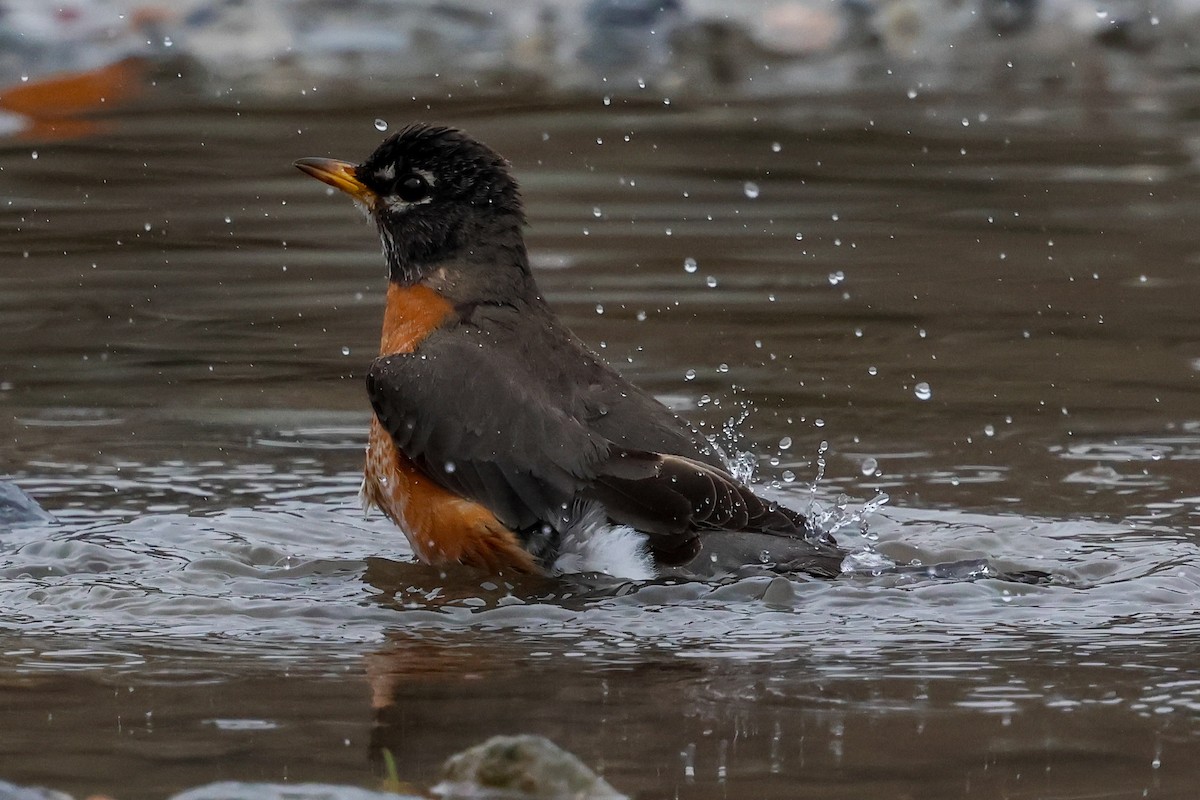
(185, 322)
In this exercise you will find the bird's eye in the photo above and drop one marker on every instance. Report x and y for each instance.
(412, 188)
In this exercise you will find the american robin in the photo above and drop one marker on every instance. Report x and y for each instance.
(499, 439)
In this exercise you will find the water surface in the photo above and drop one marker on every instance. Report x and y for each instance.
(185, 323)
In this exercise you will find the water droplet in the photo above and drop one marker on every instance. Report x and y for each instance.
(450, 466)
(599, 308)
(380, 125)
(788, 476)
(785, 443)
(690, 265)
(345, 350)
(722, 367)
(751, 189)
(836, 277)
(711, 281)
(641, 316)
(922, 391)
(607, 100)
(146, 226)
(690, 375)
(989, 430)
(33, 155)
(776, 147)
(868, 466)
(872, 370)
(912, 94)
(596, 212)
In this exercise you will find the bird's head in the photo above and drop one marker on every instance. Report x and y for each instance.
(437, 196)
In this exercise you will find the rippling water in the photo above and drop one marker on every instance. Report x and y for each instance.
(184, 327)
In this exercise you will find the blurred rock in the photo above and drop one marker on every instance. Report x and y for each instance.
(615, 46)
(10, 791)
(236, 790)
(522, 768)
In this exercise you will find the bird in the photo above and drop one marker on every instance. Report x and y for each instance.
(499, 439)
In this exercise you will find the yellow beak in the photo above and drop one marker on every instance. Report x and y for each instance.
(339, 175)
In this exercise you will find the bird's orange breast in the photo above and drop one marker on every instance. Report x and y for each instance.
(411, 314)
(441, 526)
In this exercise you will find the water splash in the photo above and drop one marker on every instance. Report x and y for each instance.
(812, 497)
(740, 463)
(742, 466)
(841, 519)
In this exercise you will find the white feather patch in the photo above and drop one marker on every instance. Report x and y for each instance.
(364, 497)
(592, 544)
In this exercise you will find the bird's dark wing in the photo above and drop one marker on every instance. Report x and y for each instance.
(521, 418)
(682, 497)
(615, 409)
(483, 431)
